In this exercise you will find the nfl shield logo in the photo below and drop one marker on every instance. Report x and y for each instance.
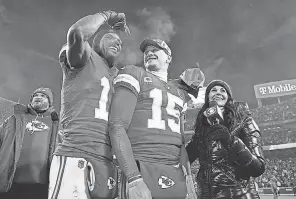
(111, 183)
(81, 164)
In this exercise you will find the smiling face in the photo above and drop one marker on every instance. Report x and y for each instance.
(218, 94)
(40, 102)
(110, 46)
(155, 59)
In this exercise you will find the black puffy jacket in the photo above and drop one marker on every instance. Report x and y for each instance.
(226, 171)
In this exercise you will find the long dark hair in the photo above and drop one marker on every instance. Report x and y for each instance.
(201, 123)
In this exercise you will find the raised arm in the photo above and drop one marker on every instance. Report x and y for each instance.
(78, 50)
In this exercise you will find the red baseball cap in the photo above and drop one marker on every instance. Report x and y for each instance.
(157, 43)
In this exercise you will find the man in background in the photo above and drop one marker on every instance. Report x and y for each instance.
(27, 142)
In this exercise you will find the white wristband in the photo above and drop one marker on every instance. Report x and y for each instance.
(135, 182)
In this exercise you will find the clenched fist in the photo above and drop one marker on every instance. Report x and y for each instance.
(116, 21)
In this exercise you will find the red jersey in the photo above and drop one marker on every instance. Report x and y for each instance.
(154, 131)
(85, 100)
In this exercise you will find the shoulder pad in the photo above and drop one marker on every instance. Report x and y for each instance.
(242, 110)
(131, 70)
(129, 77)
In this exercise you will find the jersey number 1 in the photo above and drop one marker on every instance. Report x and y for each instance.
(156, 121)
(101, 112)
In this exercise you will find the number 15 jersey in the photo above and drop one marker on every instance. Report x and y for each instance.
(154, 131)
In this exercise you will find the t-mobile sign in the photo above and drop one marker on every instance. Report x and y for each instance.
(275, 89)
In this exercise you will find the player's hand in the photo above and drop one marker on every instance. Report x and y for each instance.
(138, 190)
(117, 21)
(54, 116)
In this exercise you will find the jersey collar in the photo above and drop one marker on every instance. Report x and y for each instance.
(161, 75)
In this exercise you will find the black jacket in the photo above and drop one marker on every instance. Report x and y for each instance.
(226, 171)
(12, 133)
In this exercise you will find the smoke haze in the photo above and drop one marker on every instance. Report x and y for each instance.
(153, 23)
(243, 42)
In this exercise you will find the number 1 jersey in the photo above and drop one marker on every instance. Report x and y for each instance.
(154, 131)
(85, 100)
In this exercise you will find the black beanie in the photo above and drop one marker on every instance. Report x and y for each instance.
(45, 91)
(217, 83)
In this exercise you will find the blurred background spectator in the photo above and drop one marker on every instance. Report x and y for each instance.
(283, 169)
(275, 112)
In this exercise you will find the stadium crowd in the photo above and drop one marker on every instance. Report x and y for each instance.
(283, 170)
(278, 135)
(275, 112)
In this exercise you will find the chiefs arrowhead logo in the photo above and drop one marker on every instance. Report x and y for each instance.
(165, 182)
(111, 183)
(36, 126)
(211, 111)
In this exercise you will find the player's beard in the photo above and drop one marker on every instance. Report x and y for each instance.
(155, 70)
(40, 107)
(152, 67)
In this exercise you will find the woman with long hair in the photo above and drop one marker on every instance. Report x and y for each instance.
(229, 152)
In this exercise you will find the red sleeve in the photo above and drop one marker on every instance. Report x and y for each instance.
(130, 78)
(123, 105)
(122, 108)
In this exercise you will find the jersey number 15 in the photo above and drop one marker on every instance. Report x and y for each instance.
(156, 121)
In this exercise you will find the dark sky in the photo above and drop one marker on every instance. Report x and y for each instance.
(243, 42)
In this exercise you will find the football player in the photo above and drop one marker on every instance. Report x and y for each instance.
(144, 126)
(82, 166)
